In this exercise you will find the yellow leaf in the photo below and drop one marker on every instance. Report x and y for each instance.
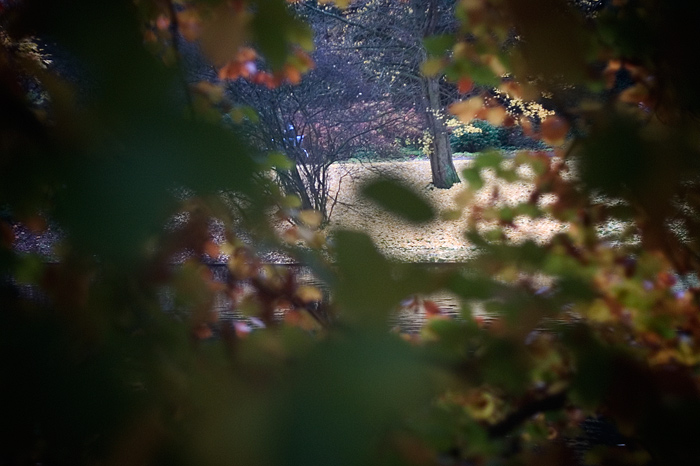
(495, 65)
(464, 198)
(496, 115)
(309, 294)
(432, 66)
(227, 248)
(311, 218)
(481, 405)
(466, 110)
(237, 115)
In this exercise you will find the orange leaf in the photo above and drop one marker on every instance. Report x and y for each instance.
(292, 74)
(246, 54)
(464, 85)
(211, 249)
(466, 110)
(304, 59)
(202, 332)
(635, 94)
(232, 70)
(431, 309)
(496, 115)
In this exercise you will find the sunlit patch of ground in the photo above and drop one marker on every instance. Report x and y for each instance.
(440, 240)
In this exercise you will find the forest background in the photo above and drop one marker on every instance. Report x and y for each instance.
(106, 136)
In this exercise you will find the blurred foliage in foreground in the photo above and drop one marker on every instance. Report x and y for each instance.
(112, 150)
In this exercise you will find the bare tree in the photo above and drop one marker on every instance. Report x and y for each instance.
(333, 115)
(385, 39)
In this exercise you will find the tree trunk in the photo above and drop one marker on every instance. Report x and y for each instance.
(444, 173)
(292, 183)
(441, 165)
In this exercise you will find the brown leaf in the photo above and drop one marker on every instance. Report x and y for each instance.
(189, 24)
(431, 308)
(554, 130)
(163, 22)
(7, 234)
(202, 332)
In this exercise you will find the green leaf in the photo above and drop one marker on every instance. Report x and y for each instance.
(528, 209)
(490, 159)
(473, 177)
(431, 67)
(29, 269)
(279, 161)
(507, 214)
(291, 201)
(399, 199)
(250, 113)
(362, 267)
(438, 45)
(483, 75)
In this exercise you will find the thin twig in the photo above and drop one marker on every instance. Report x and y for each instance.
(175, 34)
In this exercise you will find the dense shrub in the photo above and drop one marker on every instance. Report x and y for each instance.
(481, 135)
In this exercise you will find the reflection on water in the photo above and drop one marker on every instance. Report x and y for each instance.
(407, 319)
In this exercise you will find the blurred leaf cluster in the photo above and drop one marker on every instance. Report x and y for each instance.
(108, 144)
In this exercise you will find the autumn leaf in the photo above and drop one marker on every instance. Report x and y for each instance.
(496, 115)
(7, 234)
(431, 308)
(399, 199)
(189, 24)
(213, 92)
(162, 22)
(554, 130)
(310, 218)
(432, 66)
(467, 110)
(464, 85)
(202, 332)
(495, 65)
(292, 74)
(246, 54)
(512, 88)
(212, 249)
(308, 294)
(231, 71)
